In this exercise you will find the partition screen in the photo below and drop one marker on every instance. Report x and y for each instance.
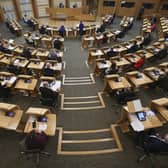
(42, 5)
(75, 3)
(57, 3)
(26, 7)
(109, 3)
(8, 9)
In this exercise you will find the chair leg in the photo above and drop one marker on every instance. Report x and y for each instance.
(37, 159)
(142, 158)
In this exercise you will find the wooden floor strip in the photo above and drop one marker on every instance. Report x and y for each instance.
(75, 84)
(83, 108)
(88, 102)
(94, 152)
(87, 141)
(83, 77)
(115, 135)
(86, 97)
(87, 131)
(80, 80)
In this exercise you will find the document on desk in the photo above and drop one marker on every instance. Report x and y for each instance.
(42, 126)
(12, 80)
(137, 105)
(136, 124)
(56, 85)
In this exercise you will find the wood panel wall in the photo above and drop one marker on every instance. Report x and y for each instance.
(102, 10)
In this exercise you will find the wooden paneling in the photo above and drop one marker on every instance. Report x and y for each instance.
(160, 10)
(125, 11)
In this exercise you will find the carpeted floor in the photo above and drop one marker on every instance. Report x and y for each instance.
(81, 120)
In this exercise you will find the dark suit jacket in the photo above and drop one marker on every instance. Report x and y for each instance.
(48, 72)
(36, 140)
(156, 145)
(48, 93)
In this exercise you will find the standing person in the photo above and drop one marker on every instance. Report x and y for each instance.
(141, 12)
(62, 31)
(81, 28)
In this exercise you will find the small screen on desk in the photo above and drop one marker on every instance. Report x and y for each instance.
(27, 81)
(42, 119)
(141, 116)
(10, 113)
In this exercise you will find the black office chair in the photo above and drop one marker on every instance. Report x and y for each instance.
(33, 153)
(48, 99)
(5, 92)
(148, 151)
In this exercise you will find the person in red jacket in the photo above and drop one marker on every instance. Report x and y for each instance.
(139, 63)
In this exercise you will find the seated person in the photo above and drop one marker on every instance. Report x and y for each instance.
(46, 92)
(5, 91)
(101, 29)
(139, 63)
(48, 71)
(134, 47)
(112, 70)
(29, 39)
(62, 31)
(26, 52)
(110, 53)
(42, 29)
(13, 69)
(124, 95)
(53, 54)
(156, 143)
(36, 140)
(57, 44)
(147, 38)
(25, 19)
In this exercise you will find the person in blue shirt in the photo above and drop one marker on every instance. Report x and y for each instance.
(62, 31)
(81, 27)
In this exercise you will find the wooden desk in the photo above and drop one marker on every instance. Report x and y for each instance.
(20, 62)
(54, 85)
(47, 41)
(18, 50)
(6, 59)
(160, 105)
(94, 54)
(26, 83)
(164, 67)
(87, 41)
(154, 73)
(8, 79)
(49, 127)
(42, 54)
(152, 121)
(115, 82)
(138, 79)
(36, 64)
(120, 62)
(133, 58)
(145, 53)
(8, 122)
(101, 64)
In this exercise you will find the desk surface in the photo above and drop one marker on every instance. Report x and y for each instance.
(10, 122)
(143, 80)
(37, 111)
(121, 84)
(48, 127)
(22, 85)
